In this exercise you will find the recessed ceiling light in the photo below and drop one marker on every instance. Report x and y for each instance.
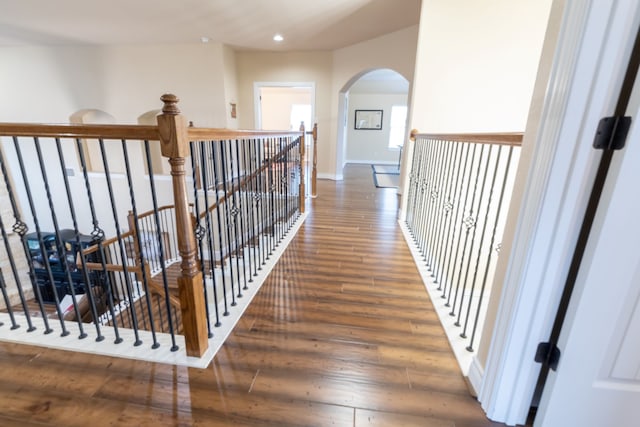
(204, 39)
(278, 38)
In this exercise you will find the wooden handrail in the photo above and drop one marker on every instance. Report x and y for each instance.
(143, 132)
(499, 138)
(215, 134)
(81, 131)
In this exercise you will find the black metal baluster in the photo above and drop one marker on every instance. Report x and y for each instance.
(61, 250)
(468, 223)
(97, 235)
(434, 196)
(412, 197)
(417, 195)
(423, 200)
(114, 211)
(449, 205)
(445, 175)
(250, 192)
(293, 165)
(21, 229)
(431, 179)
(161, 249)
(278, 193)
(228, 218)
(259, 201)
(472, 219)
(145, 279)
(426, 201)
(244, 214)
(79, 245)
(202, 232)
(272, 203)
(493, 237)
(296, 164)
(484, 228)
(284, 186)
(238, 221)
(411, 193)
(5, 295)
(461, 207)
(216, 177)
(289, 198)
(43, 249)
(7, 302)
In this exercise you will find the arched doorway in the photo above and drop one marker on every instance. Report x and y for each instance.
(372, 115)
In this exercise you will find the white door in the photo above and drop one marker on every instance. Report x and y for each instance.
(598, 379)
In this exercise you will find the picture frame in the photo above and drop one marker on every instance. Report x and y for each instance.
(368, 120)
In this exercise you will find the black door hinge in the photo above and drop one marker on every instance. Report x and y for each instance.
(612, 133)
(548, 353)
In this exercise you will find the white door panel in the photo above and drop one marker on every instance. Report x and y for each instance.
(598, 379)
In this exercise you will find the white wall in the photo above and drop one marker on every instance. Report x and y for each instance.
(48, 84)
(136, 77)
(230, 85)
(476, 64)
(371, 146)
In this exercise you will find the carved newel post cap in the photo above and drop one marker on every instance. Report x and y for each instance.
(170, 104)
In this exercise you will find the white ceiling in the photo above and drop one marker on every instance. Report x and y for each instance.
(243, 24)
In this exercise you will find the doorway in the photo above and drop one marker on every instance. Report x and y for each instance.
(284, 105)
(383, 93)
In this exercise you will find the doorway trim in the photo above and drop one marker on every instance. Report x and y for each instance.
(256, 98)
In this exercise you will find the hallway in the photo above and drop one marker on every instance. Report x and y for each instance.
(342, 333)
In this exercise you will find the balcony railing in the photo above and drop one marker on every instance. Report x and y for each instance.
(106, 248)
(458, 191)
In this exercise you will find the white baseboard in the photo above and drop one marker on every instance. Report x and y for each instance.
(332, 177)
(475, 375)
(372, 162)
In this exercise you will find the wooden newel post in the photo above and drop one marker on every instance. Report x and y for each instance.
(302, 167)
(174, 140)
(314, 170)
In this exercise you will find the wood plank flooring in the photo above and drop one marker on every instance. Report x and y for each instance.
(341, 334)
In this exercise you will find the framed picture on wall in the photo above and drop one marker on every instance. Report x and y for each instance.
(368, 120)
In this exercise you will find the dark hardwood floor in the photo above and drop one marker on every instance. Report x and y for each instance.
(341, 334)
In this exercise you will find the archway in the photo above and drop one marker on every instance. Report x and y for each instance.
(373, 93)
(90, 147)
